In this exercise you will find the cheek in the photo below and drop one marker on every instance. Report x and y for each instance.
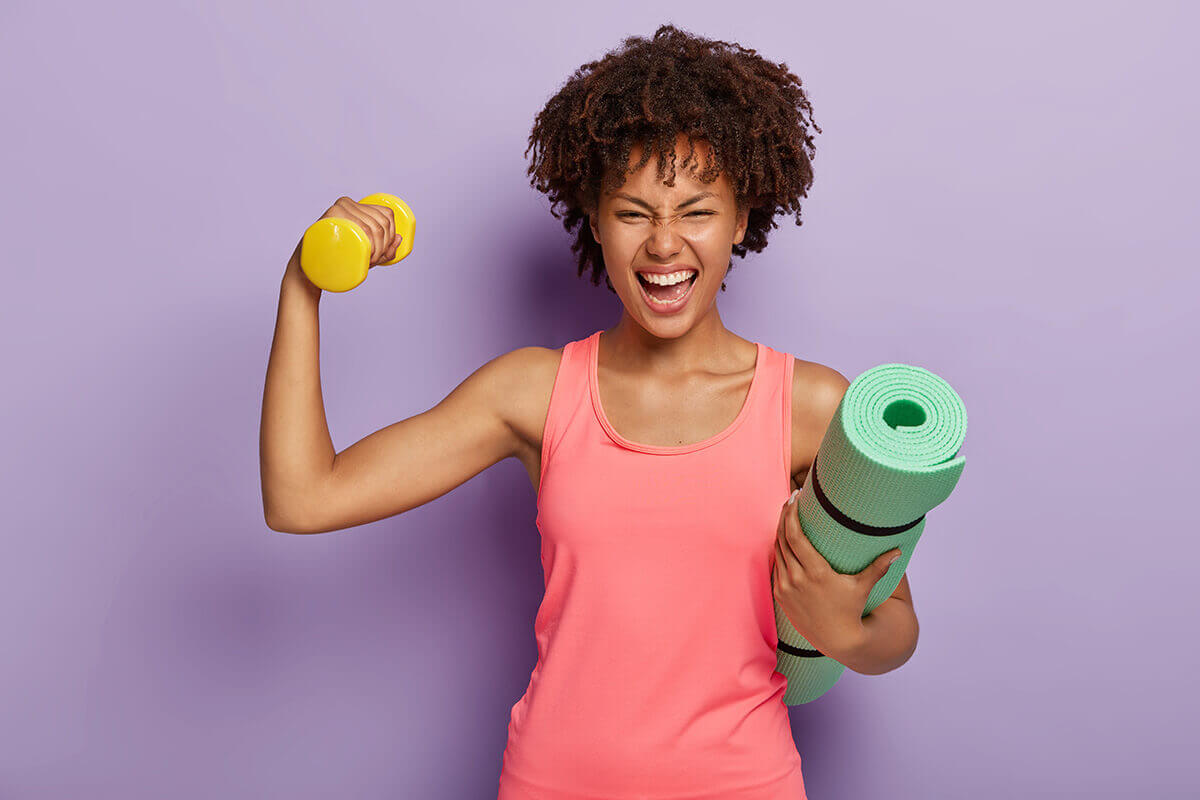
(713, 248)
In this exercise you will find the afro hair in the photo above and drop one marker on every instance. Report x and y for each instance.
(753, 112)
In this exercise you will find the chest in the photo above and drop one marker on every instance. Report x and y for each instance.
(718, 502)
(663, 415)
(672, 414)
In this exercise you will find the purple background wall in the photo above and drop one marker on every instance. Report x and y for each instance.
(1004, 195)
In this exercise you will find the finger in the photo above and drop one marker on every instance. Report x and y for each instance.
(881, 565)
(806, 552)
(372, 227)
(777, 577)
(784, 510)
(793, 537)
(385, 230)
(387, 219)
(786, 559)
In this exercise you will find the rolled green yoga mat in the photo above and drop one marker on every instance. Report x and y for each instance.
(889, 455)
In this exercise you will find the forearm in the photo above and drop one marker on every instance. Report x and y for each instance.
(295, 449)
(887, 640)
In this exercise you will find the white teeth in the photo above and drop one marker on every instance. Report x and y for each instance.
(658, 302)
(669, 279)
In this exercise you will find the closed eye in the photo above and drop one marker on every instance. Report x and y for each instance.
(639, 214)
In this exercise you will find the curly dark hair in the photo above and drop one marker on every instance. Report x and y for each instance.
(648, 92)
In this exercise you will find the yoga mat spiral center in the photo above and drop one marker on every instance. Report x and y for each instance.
(903, 414)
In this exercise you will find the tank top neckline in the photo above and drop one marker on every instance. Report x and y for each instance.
(593, 360)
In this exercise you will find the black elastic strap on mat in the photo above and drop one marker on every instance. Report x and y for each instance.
(798, 651)
(847, 522)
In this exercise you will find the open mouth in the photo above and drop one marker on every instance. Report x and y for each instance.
(667, 299)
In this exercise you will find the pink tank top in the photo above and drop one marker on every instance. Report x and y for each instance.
(656, 638)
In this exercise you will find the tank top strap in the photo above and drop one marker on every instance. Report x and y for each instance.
(770, 418)
(787, 370)
(568, 397)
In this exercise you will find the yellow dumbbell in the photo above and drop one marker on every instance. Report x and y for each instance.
(335, 253)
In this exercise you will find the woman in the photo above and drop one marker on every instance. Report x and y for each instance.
(662, 450)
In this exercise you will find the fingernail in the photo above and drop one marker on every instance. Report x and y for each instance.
(893, 559)
(792, 499)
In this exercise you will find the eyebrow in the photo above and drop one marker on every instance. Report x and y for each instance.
(649, 207)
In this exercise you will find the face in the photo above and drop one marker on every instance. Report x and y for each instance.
(635, 237)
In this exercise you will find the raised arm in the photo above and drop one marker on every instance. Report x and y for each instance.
(306, 486)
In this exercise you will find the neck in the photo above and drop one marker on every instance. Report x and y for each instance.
(706, 346)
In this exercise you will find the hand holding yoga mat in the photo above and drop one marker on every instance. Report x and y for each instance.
(889, 455)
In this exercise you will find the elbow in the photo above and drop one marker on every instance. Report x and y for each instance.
(283, 513)
(282, 524)
(912, 647)
(274, 524)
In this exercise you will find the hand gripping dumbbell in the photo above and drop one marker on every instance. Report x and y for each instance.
(336, 253)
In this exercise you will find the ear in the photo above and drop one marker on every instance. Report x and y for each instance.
(743, 222)
(591, 217)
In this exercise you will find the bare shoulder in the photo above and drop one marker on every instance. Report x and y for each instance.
(816, 391)
(523, 394)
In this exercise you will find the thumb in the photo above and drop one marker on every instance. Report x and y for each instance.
(882, 564)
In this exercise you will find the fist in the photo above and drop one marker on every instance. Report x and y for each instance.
(378, 222)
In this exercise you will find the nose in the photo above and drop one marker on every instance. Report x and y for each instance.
(663, 241)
